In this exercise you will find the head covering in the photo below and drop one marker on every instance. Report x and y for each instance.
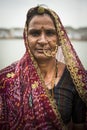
(66, 52)
(68, 56)
(35, 109)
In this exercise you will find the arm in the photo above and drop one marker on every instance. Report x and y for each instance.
(4, 125)
(79, 113)
(79, 126)
(5, 74)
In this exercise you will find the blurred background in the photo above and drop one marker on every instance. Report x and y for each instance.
(12, 21)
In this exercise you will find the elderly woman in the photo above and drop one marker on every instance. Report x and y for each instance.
(39, 92)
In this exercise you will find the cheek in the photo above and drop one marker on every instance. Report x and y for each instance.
(54, 42)
(31, 42)
(31, 46)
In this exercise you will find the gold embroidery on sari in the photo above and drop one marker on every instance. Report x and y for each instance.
(10, 75)
(70, 60)
(35, 85)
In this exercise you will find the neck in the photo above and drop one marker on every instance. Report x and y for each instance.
(47, 68)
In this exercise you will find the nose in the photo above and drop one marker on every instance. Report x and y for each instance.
(42, 39)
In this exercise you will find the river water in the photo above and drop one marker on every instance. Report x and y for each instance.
(13, 50)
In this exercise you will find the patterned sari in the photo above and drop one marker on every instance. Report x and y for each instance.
(25, 103)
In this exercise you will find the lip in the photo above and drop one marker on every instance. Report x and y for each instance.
(40, 50)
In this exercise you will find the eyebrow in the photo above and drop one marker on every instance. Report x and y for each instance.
(39, 30)
(33, 30)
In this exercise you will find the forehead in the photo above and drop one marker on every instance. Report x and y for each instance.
(41, 20)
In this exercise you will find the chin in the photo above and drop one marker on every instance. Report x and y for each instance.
(41, 58)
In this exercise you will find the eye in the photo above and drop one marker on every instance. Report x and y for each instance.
(50, 32)
(34, 33)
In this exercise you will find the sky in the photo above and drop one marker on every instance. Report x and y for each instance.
(72, 12)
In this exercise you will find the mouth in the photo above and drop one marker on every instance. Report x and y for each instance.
(40, 50)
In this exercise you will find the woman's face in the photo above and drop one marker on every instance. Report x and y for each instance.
(41, 35)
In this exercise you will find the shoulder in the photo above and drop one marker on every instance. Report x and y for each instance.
(63, 71)
(61, 67)
(66, 79)
(6, 74)
(63, 74)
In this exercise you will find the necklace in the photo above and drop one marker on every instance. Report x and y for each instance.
(51, 84)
